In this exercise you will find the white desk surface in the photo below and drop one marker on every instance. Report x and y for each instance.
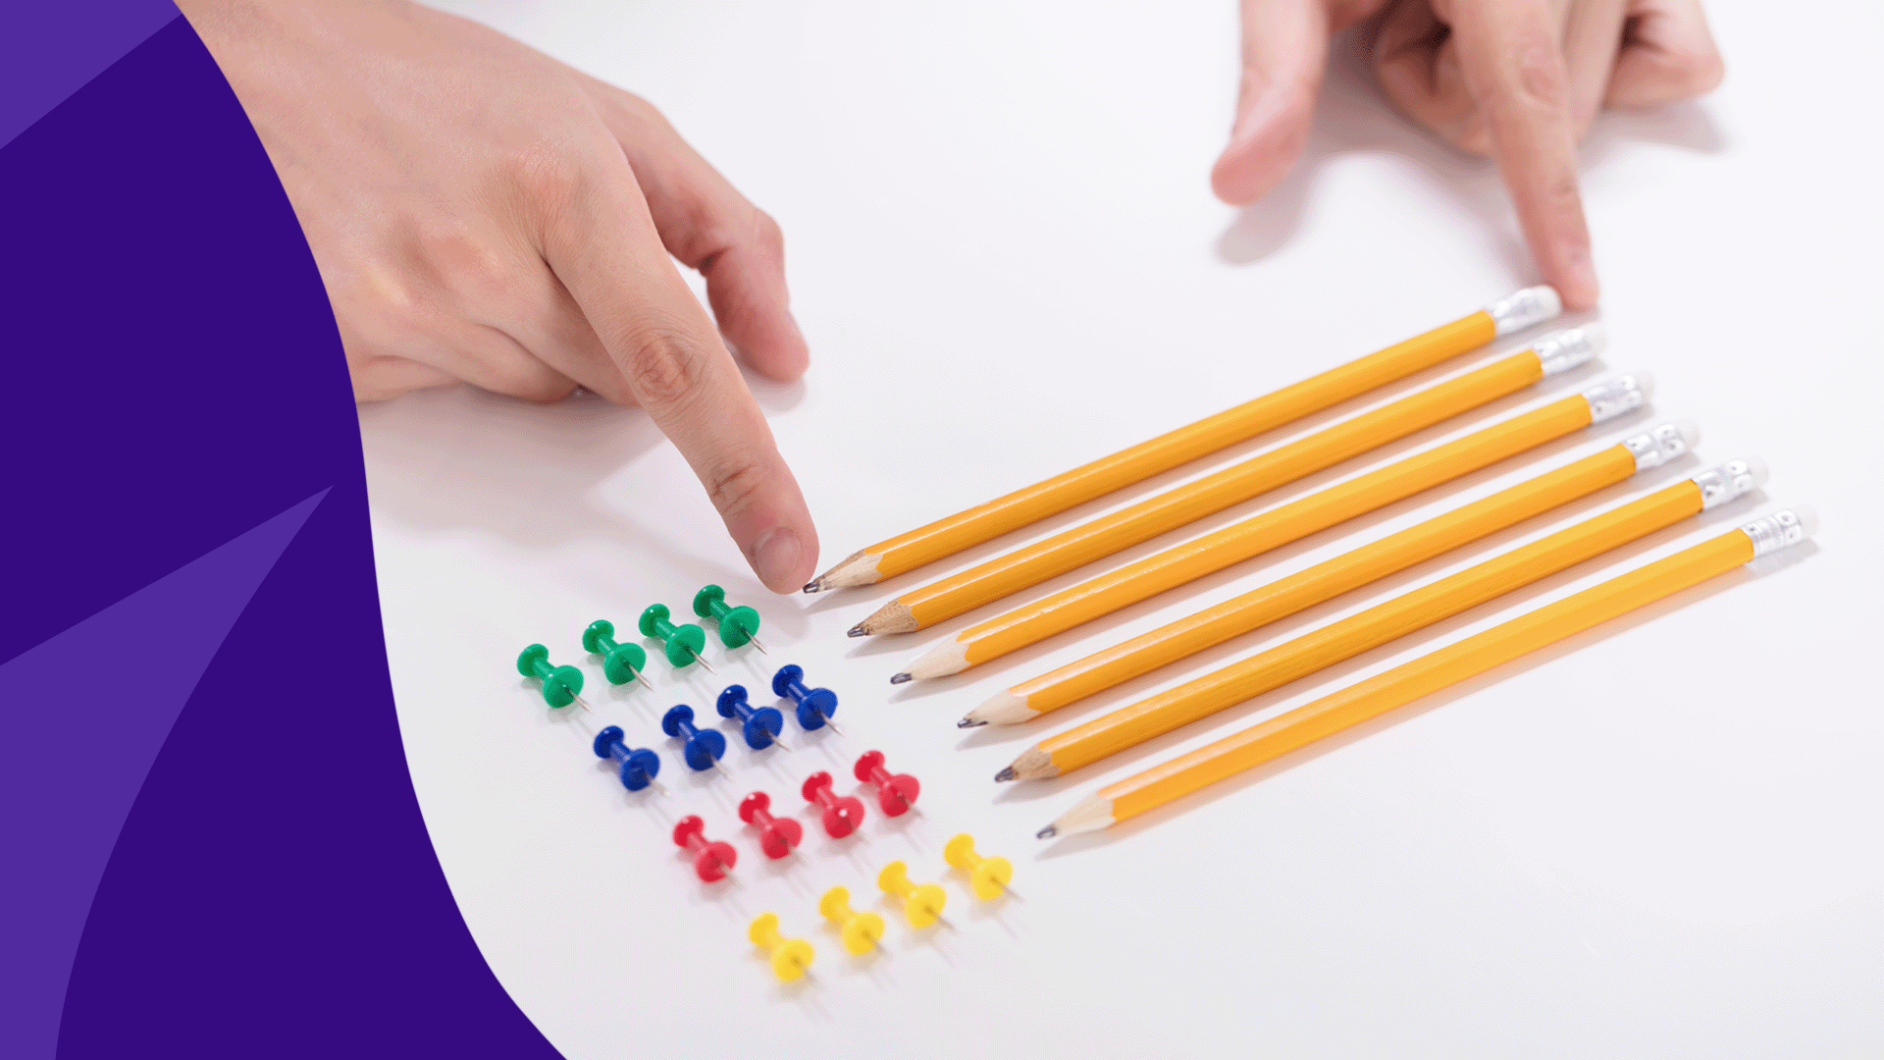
(1659, 839)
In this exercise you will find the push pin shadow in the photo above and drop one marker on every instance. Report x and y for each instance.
(682, 644)
(815, 705)
(562, 685)
(621, 663)
(702, 748)
(760, 725)
(639, 767)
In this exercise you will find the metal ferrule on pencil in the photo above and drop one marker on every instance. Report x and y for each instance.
(1522, 309)
(1570, 348)
(1782, 529)
(1659, 444)
(1735, 478)
(1616, 397)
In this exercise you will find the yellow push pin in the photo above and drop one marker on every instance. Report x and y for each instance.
(922, 902)
(791, 958)
(859, 931)
(987, 877)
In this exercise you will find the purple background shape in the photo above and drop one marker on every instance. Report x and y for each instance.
(177, 383)
(49, 49)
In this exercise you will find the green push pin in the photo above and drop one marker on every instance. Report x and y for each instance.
(738, 625)
(560, 683)
(683, 642)
(621, 663)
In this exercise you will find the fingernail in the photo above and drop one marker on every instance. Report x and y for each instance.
(775, 557)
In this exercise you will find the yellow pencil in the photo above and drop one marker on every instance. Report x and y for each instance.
(1101, 537)
(945, 537)
(1366, 630)
(1184, 563)
(1326, 580)
(1430, 673)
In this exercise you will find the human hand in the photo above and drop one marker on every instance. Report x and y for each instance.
(1520, 80)
(481, 213)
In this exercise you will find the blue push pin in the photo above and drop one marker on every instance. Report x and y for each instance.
(762, 724)
(815, 705)
(638, 768)
(703, 747)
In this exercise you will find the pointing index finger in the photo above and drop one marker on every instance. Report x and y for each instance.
(1513, 66)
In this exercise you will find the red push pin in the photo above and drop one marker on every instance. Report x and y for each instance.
(895, 794)
(712, 860)
(842, 814)
(778, 836)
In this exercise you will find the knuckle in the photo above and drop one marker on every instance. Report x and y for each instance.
(545, 171)
(662, 364)
(1540, 76)
(1704, 72)
(768, 237)
(735, 481)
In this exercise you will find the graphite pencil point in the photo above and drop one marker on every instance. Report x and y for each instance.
(856, 631)
(812, 587)
(1006, 773)
(1047, 833)
(969, 723)
(900, 679)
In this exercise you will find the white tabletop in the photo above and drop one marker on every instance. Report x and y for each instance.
(1657, 839)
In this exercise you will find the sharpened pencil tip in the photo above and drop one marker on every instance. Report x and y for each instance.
(1006, 773)
(857, 631)
(900, 679)
(969, 723)
(812, 587)
(1047, 833)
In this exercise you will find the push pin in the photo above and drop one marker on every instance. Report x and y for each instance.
(791, 958)
(683, 643)
(896, 795)
(738, 625)
(638, 767)
(987, 877)
(922, 902)
(560, 683)
(842, 813)
(858, 931)
(815, 705)
(703, 747)
(778, 836)
(761, 724)
(712, 860)
(621, 663)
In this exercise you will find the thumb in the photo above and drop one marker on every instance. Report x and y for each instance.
(1285, 49)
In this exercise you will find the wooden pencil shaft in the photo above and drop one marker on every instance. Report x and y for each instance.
(1324, 581)
(945, 537)
(1272, 529)
(1408, 682)
(1338, 641)
(1174, 508)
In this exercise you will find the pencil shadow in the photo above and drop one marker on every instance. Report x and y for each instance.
(1354, 117)
(1761, 568)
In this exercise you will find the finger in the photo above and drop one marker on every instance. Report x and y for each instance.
(1592, 35)
(706, 223)
(1509, 56)
(1419, 72)
(1668, 54)
(600, 239)
(1285, 49)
